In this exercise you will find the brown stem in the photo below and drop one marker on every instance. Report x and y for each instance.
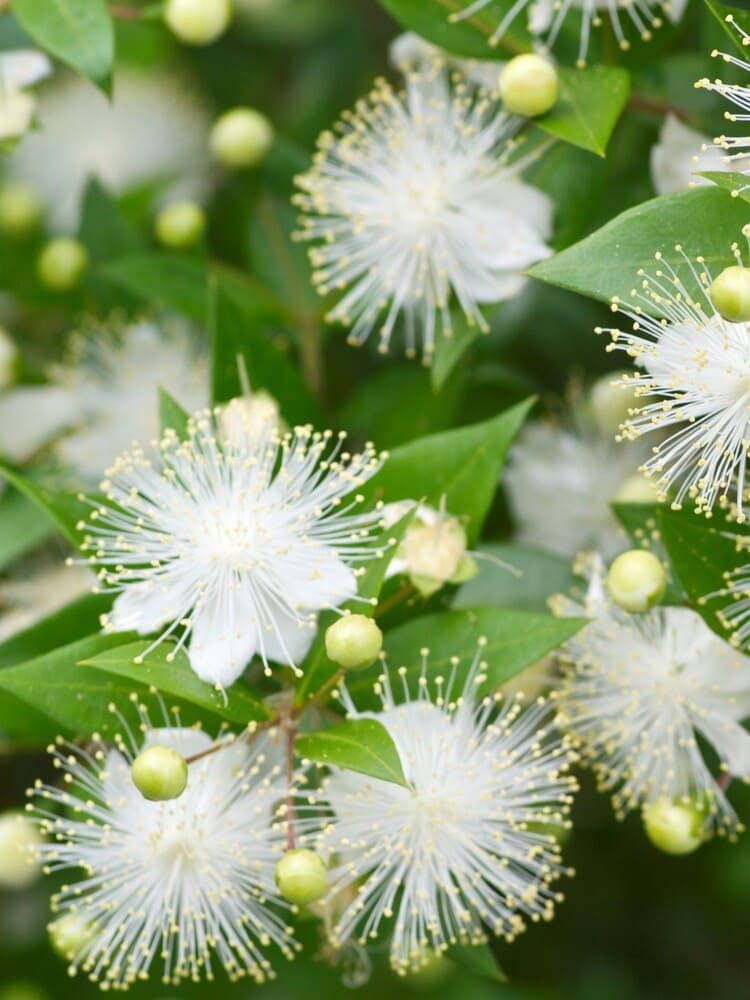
(125, 13)
(654, 105)
(311, 354)
(249, 736)
(723, 780)
(406, 591)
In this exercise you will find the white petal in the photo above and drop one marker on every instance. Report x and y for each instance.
(289, 641)
(730, 740)
(144, 608)
(223, 638)
(16, 112)
(23, 67)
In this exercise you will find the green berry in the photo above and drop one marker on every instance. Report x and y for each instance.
(674, 827)
(241, 138)
(20, 209)
(730, 294)
(301, 876)
(198, 22)
(636, 580)
(529, 85)
(160, 773)
(62, 264)
(19, 863)
(180, 225)
(354, 641)
(610, 404)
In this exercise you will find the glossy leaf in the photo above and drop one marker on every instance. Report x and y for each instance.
(589, 106)
(362, 745)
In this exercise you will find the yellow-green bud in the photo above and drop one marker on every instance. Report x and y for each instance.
(529, 85)
(435, 554)
(180, 225)
(609, 404)
(636, 580)
(10, 360)
(674, 827)
(730, 294)
(246, 418)
(301, 876)
(160, 773)
(62, 264)
(637, 489)
(353, 642)
(241, 138)
(70, 934)
(20, 208)
(20, 864)
(198, 22)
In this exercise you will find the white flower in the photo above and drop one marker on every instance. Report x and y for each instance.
(546, 17)
(680, 155)
(30, 595)
(434, 550)
(694, 367)
(412, 200)
(105, 395)
(560, 484)
(470, 844)
(639, 689)
(189, 880)
(240, 542)
(154, 130)
(19, 69)
(409, 52)
(736, 146)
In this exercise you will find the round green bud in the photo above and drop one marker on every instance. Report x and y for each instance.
(637, 489)
(610, 404)
(529, 85)
(180, 225)
(674, 827)
(301, 876)
(20, 209)
(198, 22)
(62, 264)
(353, 642)
(69, 935)
(160, 773)
(10, 360)
(241, 138)
(730, 294)
(20, 865)
(636, 580)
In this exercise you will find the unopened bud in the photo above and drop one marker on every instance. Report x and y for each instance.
(301, 876)
(62, 264)
(353, 642)
(70, 934)
(435, 554)
(245, 419)
(529, 85)
(180, 225)
(20, 864)
(674, 827)
(198, 22)
(636, 580)
(160, 773)
(20, 209)
(10, 360)
(610, 404)
(637, 489)
(730, 294)
(241, 138)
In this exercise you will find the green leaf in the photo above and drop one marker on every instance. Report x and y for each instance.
(705, 221)
(742, 17)
(463, 465)
(23, 526)
(75, 621)
(106, 234)
(468, 37)
(278, 260)
(736, 184)
(362, 745)
(171, 415)
(542, 575)
(590, 103)
(450, 350)
(479, 960)
(79, 32)
(237, 704)
(64, 510)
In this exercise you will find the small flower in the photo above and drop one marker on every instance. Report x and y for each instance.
(239, 542)
(736, 147)
(435, 549)
(18, 70)
(190, 880)
(680, 155)
(694, 367)
(637, 692)
(413, 200)
(468, 845)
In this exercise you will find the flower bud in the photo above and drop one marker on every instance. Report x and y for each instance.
(180, 225)
(435, 554)
(241, 138)
(353, 642)
(61, 264)
(529, 85)
(20, 209)
(730, 294)
(10, 360)
(69, 934)
(301, 876)
(636, 580)
(244, 419)
(160, 773)
(20, 865)
(674, 827)
(637, 489)
(609, 404)
(198, 22)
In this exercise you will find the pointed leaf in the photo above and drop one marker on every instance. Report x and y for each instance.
(362, 745)
(64, 510)
(23, 525)
(589, 106)
(75, 621)
(171, 415)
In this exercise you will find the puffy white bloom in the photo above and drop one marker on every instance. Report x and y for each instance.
(560, 483)
(409, 52)
(238, 541)
(469, 845)
(694, 367)
(638, 690)
(413, 200)
(29, 595)
(189, 880)
(153, 130)
(105, 395)
(434, 550)
(546, 17)
(680, 155)
(737, 147)
(19, 69)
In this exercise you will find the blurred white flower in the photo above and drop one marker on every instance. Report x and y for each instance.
(638, 690)
(154, 130)
(680, 155)
(105, 396)
(188, 880)
(238, 541)
(410, 52)
(19, 70)
(29, 595)
(412, 200)
(736, 147)
(469, 845)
